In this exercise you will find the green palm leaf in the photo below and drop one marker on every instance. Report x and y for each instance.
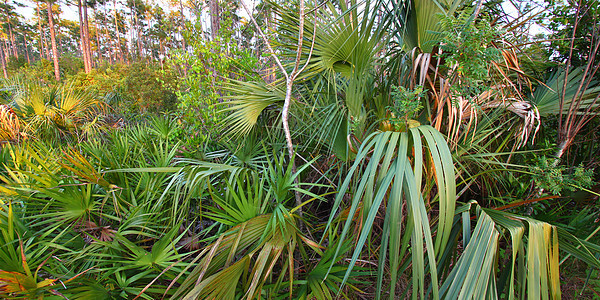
(547, 97)
(386, 170)
(533, 268)
(249, 101)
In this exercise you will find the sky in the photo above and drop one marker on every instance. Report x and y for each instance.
(69, 12)
(534, 29)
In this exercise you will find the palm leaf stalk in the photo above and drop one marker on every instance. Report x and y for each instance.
(580, 108)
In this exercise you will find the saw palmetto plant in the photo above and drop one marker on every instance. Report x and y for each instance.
(10, 125)
(402, 180)
(405, 112)
(54, 112)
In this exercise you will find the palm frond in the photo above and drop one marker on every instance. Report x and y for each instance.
(531, 267)
(248, 103)
(390, 172)
(547, 96)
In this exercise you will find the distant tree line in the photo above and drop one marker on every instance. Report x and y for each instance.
(106, 30)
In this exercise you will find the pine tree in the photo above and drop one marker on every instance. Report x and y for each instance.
(53, 40)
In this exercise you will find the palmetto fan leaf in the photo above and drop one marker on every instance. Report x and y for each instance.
(241, 201)
(345, 43)
(249, 101)
(532, 268)
(259, 244)
(415, 23)
(249, 248)
(56, 110)
(547, 97)
(33, 165)
(389, 170)
(10, 125)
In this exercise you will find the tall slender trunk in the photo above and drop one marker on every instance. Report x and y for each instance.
(131, 33)
(112, 56)
(289, 83)
(45, 47)
(147, 40)
(3, 62)
(86, 34)
(201, 29)
(119, 52)
(215, 18)
(183, 43)
(112, 51)
(6, 50)
(27, 52)
(53, 39)
(83, 41)
(271, 76)
(82, 44)
(40, 32)
(161, 46)
(139, 37)
(13, 42)
(182, 24)
(98, 52)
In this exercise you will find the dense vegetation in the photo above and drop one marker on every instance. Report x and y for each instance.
(308, 150)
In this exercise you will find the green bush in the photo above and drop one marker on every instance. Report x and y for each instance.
(150, 89)
(131, 90)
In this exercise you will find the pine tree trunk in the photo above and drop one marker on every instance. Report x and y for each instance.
(162, 53)
(98, 52)
(45, 47)
(15, 53)
(3, 62)
(271, 77)
(119, 52)
(183, 43)
(86, 34)
(139, 36)
(131, 35)
(6, 51)
(81, 37)
(112, 53)
(40, 32)
(53, 40)
(27, 52)
(215, 21)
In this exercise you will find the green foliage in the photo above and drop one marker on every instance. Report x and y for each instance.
(100, 80)
(407, 104)
(468, 50)
(14, 64)
(210, 66)
(389, 174)
(84, 216)
(547, 97)
(530, 268)
(43, 70)
(150, 89)
(560, 19)
(133, 213)
(55, 113)
(550, 176)
(129, 90)
(136, 88)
